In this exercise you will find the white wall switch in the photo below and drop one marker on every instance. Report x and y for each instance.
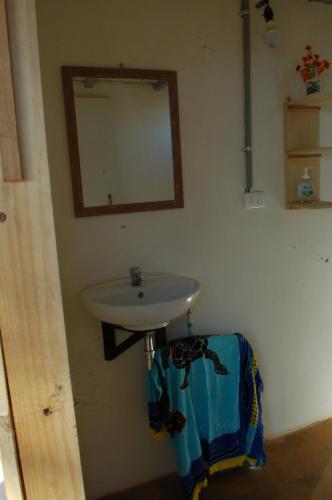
(254, 199)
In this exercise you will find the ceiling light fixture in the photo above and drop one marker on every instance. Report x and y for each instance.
(272, 35)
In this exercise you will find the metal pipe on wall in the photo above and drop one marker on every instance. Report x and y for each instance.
(149, 350)
(247, 149)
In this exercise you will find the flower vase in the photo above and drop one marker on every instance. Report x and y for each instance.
(313, 87)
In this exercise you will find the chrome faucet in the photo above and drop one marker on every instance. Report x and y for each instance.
(136, 276)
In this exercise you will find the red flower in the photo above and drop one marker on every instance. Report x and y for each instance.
(312, 66)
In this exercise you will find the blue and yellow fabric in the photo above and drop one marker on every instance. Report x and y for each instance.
(205, 391)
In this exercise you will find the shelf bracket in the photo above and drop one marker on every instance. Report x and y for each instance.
(113, 350)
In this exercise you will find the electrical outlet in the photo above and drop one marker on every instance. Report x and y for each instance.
(254, 199)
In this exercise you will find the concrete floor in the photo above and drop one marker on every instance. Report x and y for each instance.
(299, 468)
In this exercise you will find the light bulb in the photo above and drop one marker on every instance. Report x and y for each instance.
(272, 35)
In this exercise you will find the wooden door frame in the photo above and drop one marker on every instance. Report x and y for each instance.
(31, 313)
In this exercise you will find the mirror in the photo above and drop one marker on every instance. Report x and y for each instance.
(124, 139)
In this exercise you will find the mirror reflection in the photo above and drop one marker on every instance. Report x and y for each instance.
(125, 143)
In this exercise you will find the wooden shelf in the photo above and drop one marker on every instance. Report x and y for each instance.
(314, 204)
(304, 152)
(317, 99)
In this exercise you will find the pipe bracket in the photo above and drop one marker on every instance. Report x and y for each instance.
(113, 350)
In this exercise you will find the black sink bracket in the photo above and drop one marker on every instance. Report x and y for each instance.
(113, 350)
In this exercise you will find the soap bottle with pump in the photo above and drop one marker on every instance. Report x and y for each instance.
(305, 188)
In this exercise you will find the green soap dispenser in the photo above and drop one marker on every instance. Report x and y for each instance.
(305, 189)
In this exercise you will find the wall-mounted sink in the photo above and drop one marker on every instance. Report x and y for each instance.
(152, 305)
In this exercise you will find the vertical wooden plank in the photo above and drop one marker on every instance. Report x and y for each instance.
(8, 447)
(31, 314)
(10, 153)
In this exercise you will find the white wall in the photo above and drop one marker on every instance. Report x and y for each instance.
(264, 273)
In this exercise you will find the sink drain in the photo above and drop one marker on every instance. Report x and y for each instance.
(140, 295)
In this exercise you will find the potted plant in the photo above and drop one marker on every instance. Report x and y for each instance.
(311, 69)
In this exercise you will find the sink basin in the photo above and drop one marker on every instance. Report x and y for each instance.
(160, 299)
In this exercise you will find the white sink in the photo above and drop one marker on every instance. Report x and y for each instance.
(157, 301)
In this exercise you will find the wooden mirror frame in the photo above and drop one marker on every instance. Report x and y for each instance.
(70, 72)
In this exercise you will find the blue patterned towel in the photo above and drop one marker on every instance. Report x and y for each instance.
(206, 392)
